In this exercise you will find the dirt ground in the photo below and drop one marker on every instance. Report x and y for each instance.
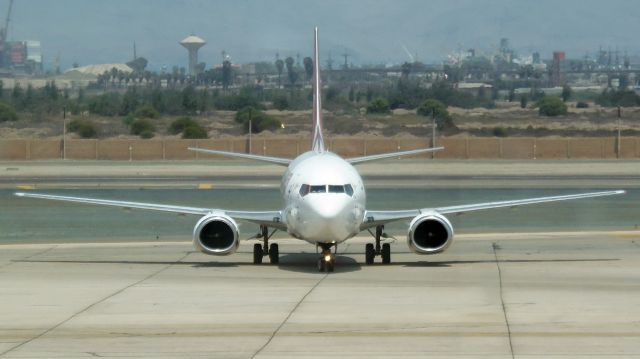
(507, 119)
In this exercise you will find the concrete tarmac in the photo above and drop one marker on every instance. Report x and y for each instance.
(551, 295)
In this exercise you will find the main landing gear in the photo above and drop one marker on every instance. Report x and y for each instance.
(261, 250)
(383, 251)
(327, 259)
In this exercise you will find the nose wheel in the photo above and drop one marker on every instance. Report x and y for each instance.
(262, 250)
(384, 251)
(327, 259)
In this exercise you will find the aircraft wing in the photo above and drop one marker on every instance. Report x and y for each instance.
(375, 218)
(356, 160)
(274, 160)
(268, 218)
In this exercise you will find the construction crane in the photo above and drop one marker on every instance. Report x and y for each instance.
(3, 35)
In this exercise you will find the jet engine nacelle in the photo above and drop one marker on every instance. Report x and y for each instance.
(216, 235)
(430, 233)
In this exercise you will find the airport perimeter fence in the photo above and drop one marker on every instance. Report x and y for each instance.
(455, 148)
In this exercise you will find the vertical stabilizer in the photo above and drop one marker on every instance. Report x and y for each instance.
(318, 141)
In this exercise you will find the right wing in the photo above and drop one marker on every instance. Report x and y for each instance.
(275, 160)
(268, 218)
(356, 160)
(376, 218)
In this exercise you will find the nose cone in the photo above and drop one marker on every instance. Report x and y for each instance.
(329, 217)
(329, 206)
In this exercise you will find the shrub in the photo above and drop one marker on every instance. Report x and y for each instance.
(524, 101)
(143, 128)
(624, 98)
(178, 125)
(147, 111)
(83, 128)
(7, 112)
(260, 121)
(281, 103)
(582, 104)
(552, 106)
(194, 131)
(378, 105)
(128, 120)
(500, 132)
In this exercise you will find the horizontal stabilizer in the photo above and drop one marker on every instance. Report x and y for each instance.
(275, 160)
(356, 160)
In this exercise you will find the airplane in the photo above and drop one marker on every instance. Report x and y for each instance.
(324, 204)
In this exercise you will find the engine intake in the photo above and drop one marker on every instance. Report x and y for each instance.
(430, 233)
(216, 235)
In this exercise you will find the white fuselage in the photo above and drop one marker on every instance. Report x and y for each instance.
(324, 198)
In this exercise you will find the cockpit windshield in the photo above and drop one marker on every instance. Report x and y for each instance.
(347, 189)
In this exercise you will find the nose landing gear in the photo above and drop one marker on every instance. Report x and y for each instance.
(327, 259)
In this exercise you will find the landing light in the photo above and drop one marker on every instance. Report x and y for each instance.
(327, 258)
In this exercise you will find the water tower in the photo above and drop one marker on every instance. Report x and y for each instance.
(192, 44)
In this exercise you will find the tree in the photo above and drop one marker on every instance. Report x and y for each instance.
(7, 112)
(291, 72)
(279, 68)
(434, 108)
(189, 100)
(226, 74)
(308, 67)
(551, 106)
(378, 105)
(566, 93)
(406, 69)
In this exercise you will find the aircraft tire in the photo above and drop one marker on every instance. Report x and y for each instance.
(369, 253)
(274, 253)
(386, 253)
(257, 253)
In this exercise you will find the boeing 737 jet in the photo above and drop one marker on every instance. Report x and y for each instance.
(324, 204)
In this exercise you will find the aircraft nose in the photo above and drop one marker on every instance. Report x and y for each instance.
(329, 207)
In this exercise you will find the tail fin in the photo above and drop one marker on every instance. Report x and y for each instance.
(318, 141)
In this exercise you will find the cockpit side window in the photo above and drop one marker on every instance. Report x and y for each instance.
(348, 190)
(318, 189)
(304, 190)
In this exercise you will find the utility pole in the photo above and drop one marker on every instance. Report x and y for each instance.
(618, 139)
(64, 133)
(250, 113)
(433, 132)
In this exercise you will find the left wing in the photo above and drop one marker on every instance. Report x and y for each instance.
(375, 218)
(268, 218)
(382, 156)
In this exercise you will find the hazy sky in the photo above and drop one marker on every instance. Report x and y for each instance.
(373, 31)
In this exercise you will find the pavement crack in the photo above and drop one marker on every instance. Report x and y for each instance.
(90, 306)
(275, 332)
(496, 247)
